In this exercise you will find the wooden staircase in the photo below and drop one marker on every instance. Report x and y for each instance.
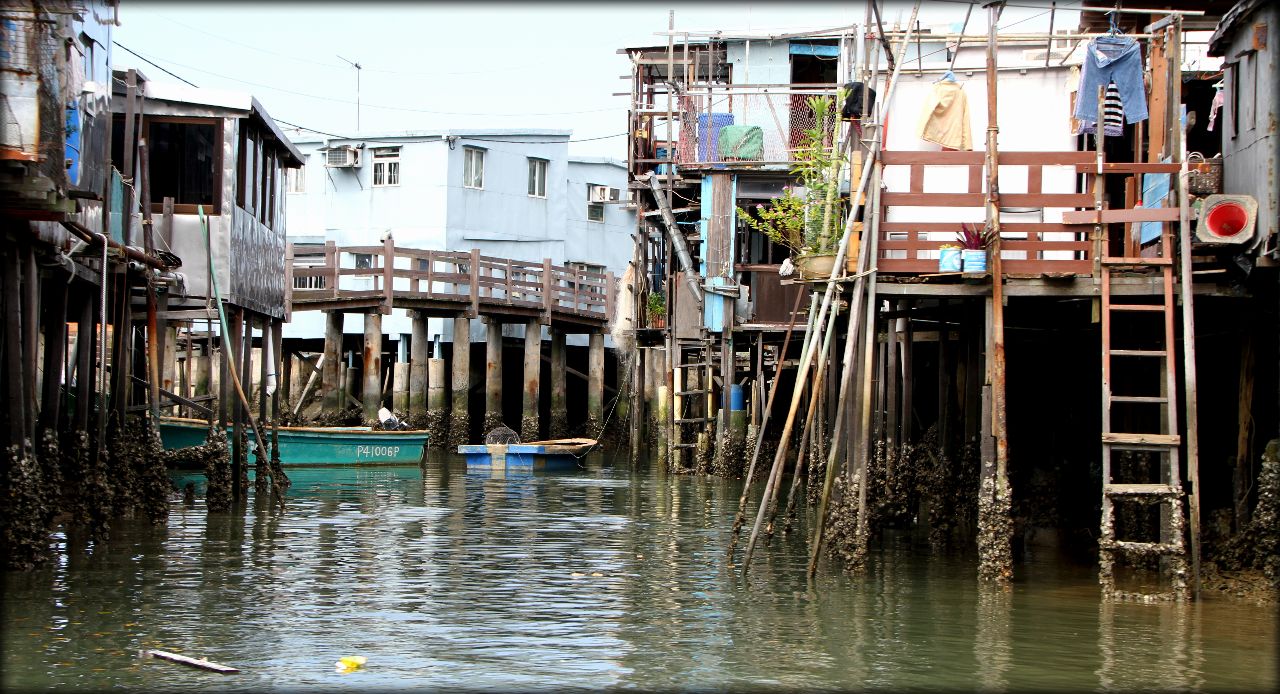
(691, 404)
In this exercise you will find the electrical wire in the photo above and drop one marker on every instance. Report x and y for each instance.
(336, 66)
(151, 63)
(361, 103)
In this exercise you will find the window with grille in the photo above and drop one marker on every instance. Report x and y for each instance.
(386, 166)
(537, 177)
(472, 167)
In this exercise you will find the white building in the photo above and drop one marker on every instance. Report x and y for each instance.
(510, 193)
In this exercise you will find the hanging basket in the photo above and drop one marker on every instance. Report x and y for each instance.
(1205, 176)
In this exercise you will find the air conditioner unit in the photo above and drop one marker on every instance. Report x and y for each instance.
(344, 157)
(603, 194)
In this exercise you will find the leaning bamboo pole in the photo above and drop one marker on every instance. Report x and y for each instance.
(841, 251)
(865, 267)
(740, 517)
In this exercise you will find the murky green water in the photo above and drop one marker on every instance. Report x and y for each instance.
(599, 578)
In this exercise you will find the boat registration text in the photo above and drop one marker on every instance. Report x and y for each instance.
(368, 451)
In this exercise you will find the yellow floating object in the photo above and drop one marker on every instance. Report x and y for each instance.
(348, 663)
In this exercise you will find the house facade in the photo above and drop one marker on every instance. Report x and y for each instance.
(514, 194)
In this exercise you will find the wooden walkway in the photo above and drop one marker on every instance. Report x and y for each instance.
(446, 284)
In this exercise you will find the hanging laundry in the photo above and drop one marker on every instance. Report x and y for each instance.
(1112, 114)
(1218, 100)
(945, 117)
(857, 93)
(1110, 59)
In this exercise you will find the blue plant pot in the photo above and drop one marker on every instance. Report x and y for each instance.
(975, 259)
(949, 260)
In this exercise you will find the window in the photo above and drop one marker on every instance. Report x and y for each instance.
(184, 162)
(296, 179)
(537, 177)
(472, 167)
(595, 210)
(386, 166)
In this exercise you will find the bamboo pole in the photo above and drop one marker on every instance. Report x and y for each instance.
(739, 518)
(808, 432)
(830, 292)
(995, 558)
(1188, 321)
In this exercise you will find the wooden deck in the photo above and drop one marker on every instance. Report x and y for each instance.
(445, 283)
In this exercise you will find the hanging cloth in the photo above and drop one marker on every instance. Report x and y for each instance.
(1112, 114)
(944, 119)
(1218, 100)
(1110, 59)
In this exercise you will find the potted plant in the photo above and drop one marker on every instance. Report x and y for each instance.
(973, 244)
(808, 218)
(949, 257)
(656, 310)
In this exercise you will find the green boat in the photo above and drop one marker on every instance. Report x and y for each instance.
(301, 446)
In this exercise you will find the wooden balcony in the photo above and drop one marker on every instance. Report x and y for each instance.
(364, 278)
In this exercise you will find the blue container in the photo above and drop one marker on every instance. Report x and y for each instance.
(661, 153)
(709, 125)
(737, 399)
(948, 260)
(975, 259)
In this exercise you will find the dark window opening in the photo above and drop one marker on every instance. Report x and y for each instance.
(184, 163)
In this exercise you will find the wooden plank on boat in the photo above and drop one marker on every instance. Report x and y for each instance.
(193, 662)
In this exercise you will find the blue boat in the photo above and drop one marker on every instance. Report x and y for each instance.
(315, 445)
(556, 454)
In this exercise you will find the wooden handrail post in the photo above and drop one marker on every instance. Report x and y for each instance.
(577, 286)
(608, 294)
(475, 282)
(431, 264)
(388, 266)
(288, 281)
(508, 279)
(548, 283)
(331, 264)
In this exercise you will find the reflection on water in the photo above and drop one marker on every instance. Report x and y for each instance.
(603, 577)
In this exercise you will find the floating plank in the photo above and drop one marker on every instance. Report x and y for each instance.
(193, 662)
(1140, 214)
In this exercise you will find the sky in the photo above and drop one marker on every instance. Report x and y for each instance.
(436, 65)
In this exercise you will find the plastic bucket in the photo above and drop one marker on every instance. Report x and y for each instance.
(948, 260)
(975, 259)
(1226, 219)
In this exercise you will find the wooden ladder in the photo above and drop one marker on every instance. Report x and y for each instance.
(690, 402)
(1166, 491)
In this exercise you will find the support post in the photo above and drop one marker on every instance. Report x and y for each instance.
(529, 424)
(460, 418)
(492, 375)
(559, 403)
(419, 370)
(371, 394)
(332, 374)
(595, 385)
(995, 526)
(435, 421)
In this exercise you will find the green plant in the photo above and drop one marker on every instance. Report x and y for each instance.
(808, 222)
(782, 221)
(656, 306)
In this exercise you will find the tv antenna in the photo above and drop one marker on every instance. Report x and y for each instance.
(358, 68)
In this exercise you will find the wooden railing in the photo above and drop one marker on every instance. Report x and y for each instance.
(393, 276)
(1031, 247)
